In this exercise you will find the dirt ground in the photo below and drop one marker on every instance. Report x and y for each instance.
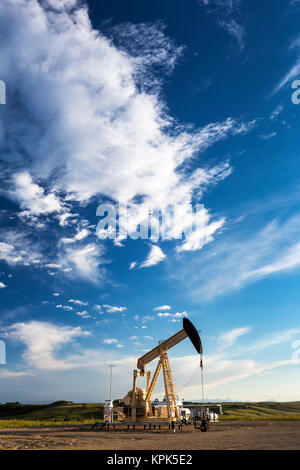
(225, 435)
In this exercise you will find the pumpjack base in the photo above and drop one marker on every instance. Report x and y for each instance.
(148, 419)
(106, 426)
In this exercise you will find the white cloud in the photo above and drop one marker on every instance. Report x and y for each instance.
(9, 254)
(133, 337)
(83, 314)
(277, 111)
(132, 265)
(155, 256)
(83, 261)
(64, 218)
(163, 307)
(202, 234)
(147, 318)
(229, 338)
(56, 294)
(110, 341)
(177, 315)
(61, 4)
(16, 248)
(43, 340)
(81, 235)
(2, 285)
(268, 136)
(180, 314)
(105, 132)
(65, 307)
(32, 197)
(8, 374)
(53, 266)
(77, 302)
(114, 309)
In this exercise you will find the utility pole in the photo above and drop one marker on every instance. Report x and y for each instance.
(110, 392)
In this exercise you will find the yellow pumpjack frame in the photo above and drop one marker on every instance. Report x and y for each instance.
(163, 364)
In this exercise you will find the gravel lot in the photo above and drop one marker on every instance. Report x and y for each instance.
(225, 435)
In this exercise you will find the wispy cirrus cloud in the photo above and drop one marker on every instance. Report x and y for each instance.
(227, 17)
(83, 261)
(220, 371)
(294, 3)
(277, 111)
(235, 30)
(274, 339)
(274, 249)
(294, 70)
(228, 338)
(230, 5)
(293, 73)
(268, 136)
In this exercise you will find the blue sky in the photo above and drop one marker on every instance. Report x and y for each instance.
(153, 103)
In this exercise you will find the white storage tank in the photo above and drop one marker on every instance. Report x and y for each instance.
(107, 412)
(214, 418)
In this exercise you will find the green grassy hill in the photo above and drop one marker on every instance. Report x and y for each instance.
(62, 412)
(55, 413)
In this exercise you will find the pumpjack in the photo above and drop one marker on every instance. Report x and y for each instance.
(137, 402)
